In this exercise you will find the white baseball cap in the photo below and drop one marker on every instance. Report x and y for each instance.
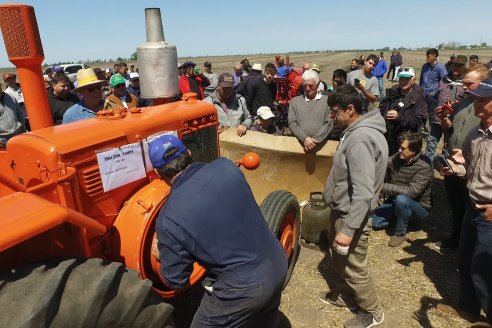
(265, 112)
(406, 72)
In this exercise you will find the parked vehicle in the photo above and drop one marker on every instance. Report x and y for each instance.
(70, 70)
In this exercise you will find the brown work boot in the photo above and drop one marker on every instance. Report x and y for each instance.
(457, 312)
(481, 324)
(396, 241)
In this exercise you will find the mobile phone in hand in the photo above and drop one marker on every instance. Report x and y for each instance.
(444, 162)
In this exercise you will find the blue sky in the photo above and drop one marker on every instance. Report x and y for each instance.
(81, 30)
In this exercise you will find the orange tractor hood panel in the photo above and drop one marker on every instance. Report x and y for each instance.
(181, 116)
(39, 216)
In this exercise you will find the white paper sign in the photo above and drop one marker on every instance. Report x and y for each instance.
(121, 166)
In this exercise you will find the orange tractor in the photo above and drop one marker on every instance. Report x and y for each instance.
(79, 201)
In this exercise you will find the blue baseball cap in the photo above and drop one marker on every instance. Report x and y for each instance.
(165, 149)
(57, 69)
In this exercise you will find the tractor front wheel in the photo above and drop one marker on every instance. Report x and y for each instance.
(80, 293)
(282, 213)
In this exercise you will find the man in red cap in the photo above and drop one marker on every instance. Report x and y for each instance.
(11, 118)
(13, 90)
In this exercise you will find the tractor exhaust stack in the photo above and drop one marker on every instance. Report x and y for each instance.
(25, 50)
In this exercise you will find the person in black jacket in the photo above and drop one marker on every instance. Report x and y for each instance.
(263, 92)
(404, 109)
(211, 217)
(60, 98)
(408, 186)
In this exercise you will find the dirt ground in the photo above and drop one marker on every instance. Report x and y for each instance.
(409, 280)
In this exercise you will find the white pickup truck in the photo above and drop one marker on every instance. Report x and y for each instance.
(70, 70)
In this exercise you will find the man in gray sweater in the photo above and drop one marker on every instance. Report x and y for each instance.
(352, 191)
(309, 115)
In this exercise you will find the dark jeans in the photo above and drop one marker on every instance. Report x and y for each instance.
(391, 70)
(475, 263)
(431, 108)
(457, 195)
(435, 135)
(245, 307)
(403, 209)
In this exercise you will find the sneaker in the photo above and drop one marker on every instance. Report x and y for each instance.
(396, 241)
(445, 244)
(337, 300)
(363, 319)
(457, 312)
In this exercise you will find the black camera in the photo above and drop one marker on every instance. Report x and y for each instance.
(356, 81)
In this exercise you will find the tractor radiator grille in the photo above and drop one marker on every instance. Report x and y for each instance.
(203, 144)
(91, 181)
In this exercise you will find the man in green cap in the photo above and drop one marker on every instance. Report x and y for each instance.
(119, 98)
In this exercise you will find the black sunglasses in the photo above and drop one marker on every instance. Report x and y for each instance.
(92, 89)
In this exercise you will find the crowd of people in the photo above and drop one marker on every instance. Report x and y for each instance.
(380, 177)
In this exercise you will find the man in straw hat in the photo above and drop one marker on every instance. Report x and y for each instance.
(89, 88)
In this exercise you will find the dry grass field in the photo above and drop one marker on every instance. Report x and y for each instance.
(410, 280)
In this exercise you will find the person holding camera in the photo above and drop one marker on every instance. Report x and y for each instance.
(475, 245)
(404, 109)
(457, 123)
(366, 83)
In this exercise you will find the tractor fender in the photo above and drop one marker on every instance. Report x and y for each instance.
(134, 232)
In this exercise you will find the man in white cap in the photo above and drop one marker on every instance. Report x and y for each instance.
(89, 87)
(134, 89)
(264, 122)
(231, 107)
(246, 265)
(404, 109)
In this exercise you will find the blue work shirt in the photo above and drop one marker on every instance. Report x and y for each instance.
(430, 77)
(211, 217)
(78, 112)
(380, 68)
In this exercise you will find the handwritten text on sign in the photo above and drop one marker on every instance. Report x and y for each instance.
(120, 166)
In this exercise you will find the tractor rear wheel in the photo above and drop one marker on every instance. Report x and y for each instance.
(80, 293)
(282, 213)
